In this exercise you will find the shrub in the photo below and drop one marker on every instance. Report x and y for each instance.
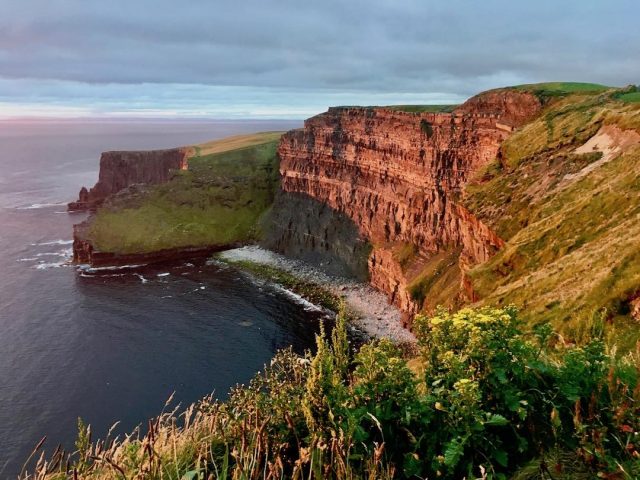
(491, 400)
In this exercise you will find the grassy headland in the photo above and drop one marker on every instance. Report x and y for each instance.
(219, 200)
(562, 88)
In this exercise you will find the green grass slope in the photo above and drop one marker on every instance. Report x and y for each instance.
(571, 220)
(563, 87)
(218, 200)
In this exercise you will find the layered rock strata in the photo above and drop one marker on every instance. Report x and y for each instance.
(398, 176)
(120, 170)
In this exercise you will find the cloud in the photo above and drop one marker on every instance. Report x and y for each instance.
(252, 51)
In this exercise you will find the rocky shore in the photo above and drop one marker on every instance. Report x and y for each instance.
(375, 316)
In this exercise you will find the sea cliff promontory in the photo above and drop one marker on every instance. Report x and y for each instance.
(120, 170)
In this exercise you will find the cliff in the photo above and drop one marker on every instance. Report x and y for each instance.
(524, 195)
(564, 195)
(145, 211)
(119, 170)
(399, 176)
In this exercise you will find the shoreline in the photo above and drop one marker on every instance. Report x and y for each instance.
(374, 316)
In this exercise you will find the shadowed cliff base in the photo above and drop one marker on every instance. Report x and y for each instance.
(301, 227)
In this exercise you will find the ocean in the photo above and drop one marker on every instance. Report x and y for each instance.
(111, 345)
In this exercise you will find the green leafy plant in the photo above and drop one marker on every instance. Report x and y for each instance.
(484, 398)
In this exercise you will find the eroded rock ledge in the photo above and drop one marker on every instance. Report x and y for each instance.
(399, 176)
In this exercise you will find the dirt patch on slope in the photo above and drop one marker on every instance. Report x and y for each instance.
(611, 141)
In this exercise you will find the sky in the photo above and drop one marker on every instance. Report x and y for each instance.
(294, 58)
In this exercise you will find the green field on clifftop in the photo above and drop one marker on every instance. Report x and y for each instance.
(217, 201)
(564, 87)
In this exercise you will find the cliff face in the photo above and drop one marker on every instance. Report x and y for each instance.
(119, 170)
(301, 227)
(398, 176)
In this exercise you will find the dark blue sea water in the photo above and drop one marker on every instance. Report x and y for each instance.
(113, 345)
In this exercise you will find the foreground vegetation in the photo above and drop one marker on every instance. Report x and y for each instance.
(481, 398)
(219, 200)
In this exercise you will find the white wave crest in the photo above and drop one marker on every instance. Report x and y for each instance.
(46, 266)
(90, 269)
(36, 206)
(53, 242)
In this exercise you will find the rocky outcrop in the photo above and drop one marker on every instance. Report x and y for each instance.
(120, 170)
(510, 108)
(398, 176)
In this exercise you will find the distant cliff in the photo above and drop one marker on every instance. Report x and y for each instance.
(399, 177)
(120, 170)
(143, 211)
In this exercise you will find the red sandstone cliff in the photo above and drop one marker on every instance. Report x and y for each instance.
(119, 170)
(398, 175)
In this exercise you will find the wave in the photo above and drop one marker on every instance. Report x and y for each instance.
(89, 269)
(66, 253)
(53, 242)
(46, 266)
(91, 275)
(306, 304)
(37, 206)
(142, 279)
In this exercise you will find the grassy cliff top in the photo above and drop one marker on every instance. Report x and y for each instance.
(563, 87)
(233, 143)
(219, 200)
